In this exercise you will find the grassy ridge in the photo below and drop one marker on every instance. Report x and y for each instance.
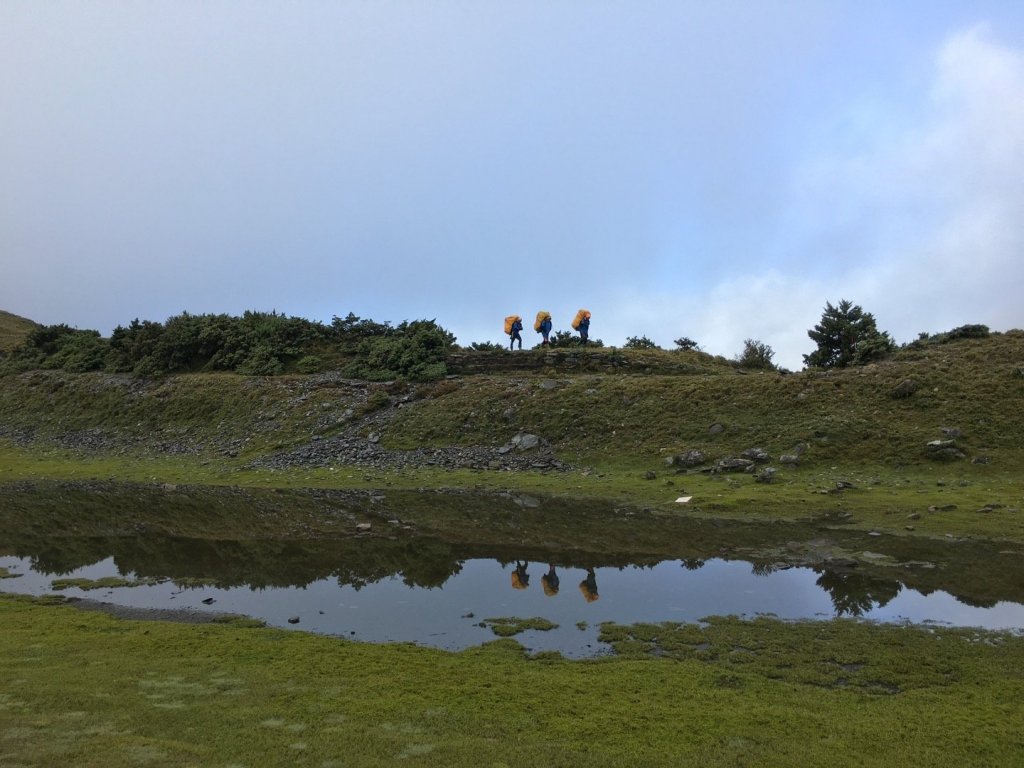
(846, 415)
(13, 330)
(85, 689)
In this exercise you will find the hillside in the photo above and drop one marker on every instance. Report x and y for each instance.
(13, 330)
(882, 414)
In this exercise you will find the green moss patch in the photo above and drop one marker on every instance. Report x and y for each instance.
(508, 627)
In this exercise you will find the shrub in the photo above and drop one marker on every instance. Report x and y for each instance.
(685, 343)
(967, 332)
(639, 342)
(415, 351)
(309, 364)
(570, 339)
(757, 355)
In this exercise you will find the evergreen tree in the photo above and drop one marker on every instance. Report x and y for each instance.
(847, 335)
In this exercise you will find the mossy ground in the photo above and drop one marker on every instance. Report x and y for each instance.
(86, 689)
(929, 499)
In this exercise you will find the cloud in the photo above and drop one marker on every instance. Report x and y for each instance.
(921, 226)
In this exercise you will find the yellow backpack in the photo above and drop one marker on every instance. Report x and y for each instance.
(579, 318)
(541, 317)
(508, 322)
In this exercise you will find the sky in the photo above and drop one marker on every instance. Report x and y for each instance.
(710, 170)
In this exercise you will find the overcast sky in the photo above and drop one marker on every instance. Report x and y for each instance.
(715, 169)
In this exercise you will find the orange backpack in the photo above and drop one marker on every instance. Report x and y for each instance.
(579, 318)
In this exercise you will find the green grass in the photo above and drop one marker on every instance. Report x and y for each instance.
(13, 330)
(882, 497)
(85, 689)
(510, 626)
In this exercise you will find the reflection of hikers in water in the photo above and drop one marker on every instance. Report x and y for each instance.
(520, 578)
(588, 587)
(550, 581)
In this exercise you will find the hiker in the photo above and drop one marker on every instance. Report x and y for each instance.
(543, 326)
(520, 578)
(588, 587)
(513, 325)
(549, 581)
(581, 323)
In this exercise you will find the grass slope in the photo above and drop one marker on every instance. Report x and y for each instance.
(13, 330)
(88, 690)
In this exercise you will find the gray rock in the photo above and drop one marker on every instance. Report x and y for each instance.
(549, 384)
(691, 458)
(374, 437)
(756, 454)
(363, 526)
(981, 460)
(650, 475)
(526, 502)
(904, 389)
(731, 464)
(789, 458)
(952, 432)
(525, 442)
(716, 429)
(293, 620)
(766, 475)
(944, 450)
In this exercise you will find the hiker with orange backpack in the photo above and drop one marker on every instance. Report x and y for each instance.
(581, 323)
(513, 325)
(542, 325)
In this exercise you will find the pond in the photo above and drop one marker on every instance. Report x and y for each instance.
(433, 568)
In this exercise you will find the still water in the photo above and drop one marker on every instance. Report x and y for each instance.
(577, 599)
(429, 567)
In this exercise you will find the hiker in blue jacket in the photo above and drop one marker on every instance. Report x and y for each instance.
(514, 336)
(584, 329)
(545, 329)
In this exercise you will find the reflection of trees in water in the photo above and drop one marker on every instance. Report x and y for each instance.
(854, 594)
(763, 568)
(693, 563)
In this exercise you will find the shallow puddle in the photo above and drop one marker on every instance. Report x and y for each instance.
(435, 571)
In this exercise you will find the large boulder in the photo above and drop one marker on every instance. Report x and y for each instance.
(691, 458)
(524, 441)
(732, 464)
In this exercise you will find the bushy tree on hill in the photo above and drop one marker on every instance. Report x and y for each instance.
(847, 335)
(570, 339)
(639, 342)
(757, 355)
